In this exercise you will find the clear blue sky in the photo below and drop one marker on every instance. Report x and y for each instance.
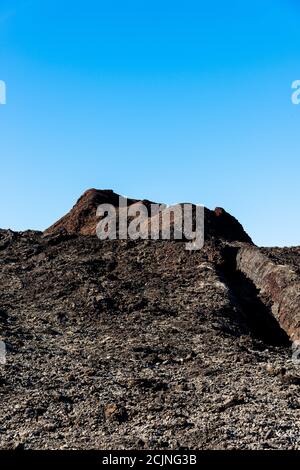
(168, 100)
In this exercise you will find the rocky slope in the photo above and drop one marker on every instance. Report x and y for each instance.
(123, 344)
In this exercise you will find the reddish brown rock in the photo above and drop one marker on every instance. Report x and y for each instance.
(82, 217)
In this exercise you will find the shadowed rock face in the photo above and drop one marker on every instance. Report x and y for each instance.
(220, 224)
(82, 217)
(279, 284)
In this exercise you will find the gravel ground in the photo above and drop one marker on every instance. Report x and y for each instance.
(135, 345)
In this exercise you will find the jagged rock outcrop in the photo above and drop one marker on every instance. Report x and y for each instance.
(82, 217)
(279, 285)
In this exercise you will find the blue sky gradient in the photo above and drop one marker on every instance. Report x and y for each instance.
(167, 100)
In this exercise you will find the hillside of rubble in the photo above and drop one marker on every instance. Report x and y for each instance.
(145, 345)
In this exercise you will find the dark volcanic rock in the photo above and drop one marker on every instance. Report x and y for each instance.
(278, 283)
(142, 344)
(82, 217)
(220, 224)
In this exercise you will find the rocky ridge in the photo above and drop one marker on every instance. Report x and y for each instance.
(142, 344)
